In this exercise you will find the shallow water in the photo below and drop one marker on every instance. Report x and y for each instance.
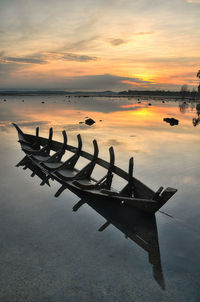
(50, 253)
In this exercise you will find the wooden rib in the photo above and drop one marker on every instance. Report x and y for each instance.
(71, 162)
(24, 138)
(105, 182)
(88, 169)
(55, 146)
(64, 139)
(157, 194)
(50, 134)
(47, 147)
(18, 129)
(37, 131)
(55, 158)
(80, 144)
(128, 189)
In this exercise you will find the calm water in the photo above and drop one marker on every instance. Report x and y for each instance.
(51, 253)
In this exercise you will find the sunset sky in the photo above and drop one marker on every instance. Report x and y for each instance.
(99, 44)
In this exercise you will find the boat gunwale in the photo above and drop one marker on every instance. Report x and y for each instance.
(147, 205)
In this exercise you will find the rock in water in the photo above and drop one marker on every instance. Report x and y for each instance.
(172, 121)
(89, 121)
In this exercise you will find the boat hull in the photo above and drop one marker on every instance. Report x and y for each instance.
(143, 197)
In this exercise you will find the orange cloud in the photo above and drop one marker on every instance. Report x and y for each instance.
(131, 83)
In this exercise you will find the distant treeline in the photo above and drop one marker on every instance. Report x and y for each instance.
(108, 93)
(188, 94)
(54, 92)
(37, 92)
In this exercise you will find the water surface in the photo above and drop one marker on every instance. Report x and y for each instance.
(51, 253)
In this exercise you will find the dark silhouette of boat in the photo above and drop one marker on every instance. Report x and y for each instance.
(136, 225)
(135, 193)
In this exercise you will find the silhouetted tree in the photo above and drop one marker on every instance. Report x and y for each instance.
(198, 76)
(196, 120)
(198, 109)
(184, 90)
(193, 92)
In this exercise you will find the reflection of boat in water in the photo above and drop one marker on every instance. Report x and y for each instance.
(136, 225)
(135, 193)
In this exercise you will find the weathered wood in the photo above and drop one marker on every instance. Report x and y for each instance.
(135, 193)
(43, 151)
(157, 194)
(166, 195)
(142, 188)
(56, 158)
(88, 169)
(37, 132)
(128, 190)
(71, 162)
(105, 182)
(135, 224)
(25, 138)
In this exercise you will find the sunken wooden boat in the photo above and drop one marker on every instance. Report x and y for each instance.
(136, 225)
(81, 182)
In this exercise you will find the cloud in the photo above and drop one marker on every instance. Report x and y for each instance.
(99, 82)
(7, 69)
(184, 75)
(11, 67)
(167, 59)
(133, 83)
(142, 33)
(117, 42)
(102, 82)
(78, 58)
(79, 44)
(32, 60)
(193, 1)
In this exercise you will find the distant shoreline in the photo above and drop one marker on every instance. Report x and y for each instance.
(140, 94)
